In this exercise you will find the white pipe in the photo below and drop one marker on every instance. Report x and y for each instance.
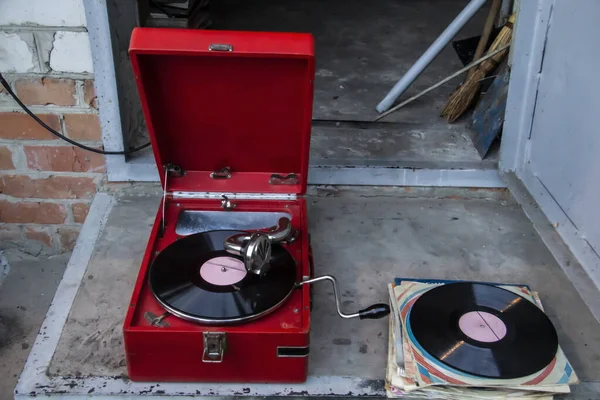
(436, 47)
(440, 83)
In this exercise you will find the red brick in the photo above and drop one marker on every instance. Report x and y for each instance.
(53, 187)
(6, 158)
(89, 94)
(67, 237)
(63, 158)
(32, 213)
(80, 211)
(39, 235)
(21, 126)
(35, 91)
(83, 127)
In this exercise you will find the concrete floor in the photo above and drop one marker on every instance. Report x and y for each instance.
(362, 49)
(365, 237)
(92, 342)
(25, 295)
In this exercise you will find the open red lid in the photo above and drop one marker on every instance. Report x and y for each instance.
(216, 99)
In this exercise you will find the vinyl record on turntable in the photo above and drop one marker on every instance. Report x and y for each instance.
(194, 278)
(483, 330)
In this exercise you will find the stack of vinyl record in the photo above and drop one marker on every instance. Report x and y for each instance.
(462, 340)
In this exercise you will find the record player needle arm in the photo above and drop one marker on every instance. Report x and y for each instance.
(228, 266)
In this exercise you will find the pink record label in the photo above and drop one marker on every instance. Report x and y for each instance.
(223, 271)
(482, 326)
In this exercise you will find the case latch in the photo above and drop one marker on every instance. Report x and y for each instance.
(215, 344)
(223, 173)
(220, 47)
(289, 179)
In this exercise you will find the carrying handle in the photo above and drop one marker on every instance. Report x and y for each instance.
(220, 47)
(375, 311)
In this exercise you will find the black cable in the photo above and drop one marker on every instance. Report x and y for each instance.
(59, 135)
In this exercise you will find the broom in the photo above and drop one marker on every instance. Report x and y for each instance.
(462, 98)
(487, 30)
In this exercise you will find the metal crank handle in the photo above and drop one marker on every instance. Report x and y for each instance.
(375, 311)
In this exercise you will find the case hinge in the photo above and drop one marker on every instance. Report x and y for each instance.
(289, 179)
(175, 170)
(234, 196)
(215, 344)
(223, 173)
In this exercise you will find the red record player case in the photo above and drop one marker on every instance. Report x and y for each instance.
(215, 99)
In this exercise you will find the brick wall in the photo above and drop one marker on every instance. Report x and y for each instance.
(46, 185)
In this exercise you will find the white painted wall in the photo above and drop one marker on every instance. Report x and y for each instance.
(42, 13)
(17, 53)
(551, 136)
(71, 52)
(565, 134)
(44, 36)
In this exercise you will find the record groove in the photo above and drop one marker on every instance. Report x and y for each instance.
(185, 279)
(483, 330)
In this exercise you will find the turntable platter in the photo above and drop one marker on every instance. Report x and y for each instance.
(194, 278)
